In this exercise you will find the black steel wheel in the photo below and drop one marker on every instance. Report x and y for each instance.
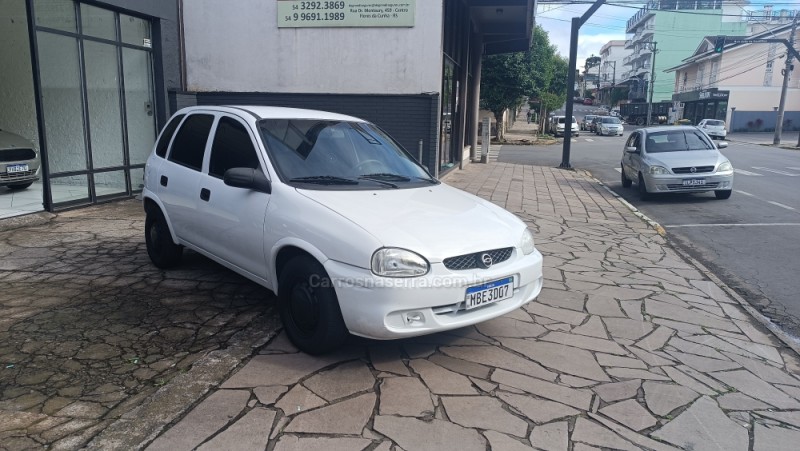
(163, 252)
(309, 307)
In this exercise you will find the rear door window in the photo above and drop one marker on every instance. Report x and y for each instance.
(190, 142)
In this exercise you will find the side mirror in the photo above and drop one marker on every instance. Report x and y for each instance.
(722, 144)
(631, 149)
(247, 178)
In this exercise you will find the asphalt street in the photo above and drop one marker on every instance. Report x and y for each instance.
(750, 240)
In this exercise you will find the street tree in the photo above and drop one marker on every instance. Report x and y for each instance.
(506, 81)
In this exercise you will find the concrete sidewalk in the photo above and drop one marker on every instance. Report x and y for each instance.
(629, 346)
(788, 139)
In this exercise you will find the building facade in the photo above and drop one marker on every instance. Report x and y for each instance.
(672, 28)
(418, 78)
(742, 85)
(612, 65)
(87, 84)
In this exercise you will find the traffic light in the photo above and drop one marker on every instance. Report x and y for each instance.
(719, 44)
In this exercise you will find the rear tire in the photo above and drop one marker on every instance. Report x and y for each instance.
(163, 252)
(626, 182)
(19, 186)
(309, 307)
(639, 121)
(643, 194)
(723, 194)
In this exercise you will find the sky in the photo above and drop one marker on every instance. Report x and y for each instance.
(606, 24)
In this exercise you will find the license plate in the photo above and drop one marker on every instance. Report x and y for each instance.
(694, 182)
(488, 293)
(13, 168)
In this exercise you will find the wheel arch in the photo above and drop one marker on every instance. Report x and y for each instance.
(285, 251)
(151, 203)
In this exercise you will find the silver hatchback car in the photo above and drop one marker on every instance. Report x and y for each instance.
(675, 159)
(19, 161)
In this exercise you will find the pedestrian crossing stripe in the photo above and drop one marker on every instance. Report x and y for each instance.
(776, 171)
(743, 172)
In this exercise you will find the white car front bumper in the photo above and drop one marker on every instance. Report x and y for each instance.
(379, 307)
(675, 183)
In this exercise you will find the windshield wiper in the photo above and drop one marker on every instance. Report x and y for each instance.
(387, 175)
(377, 179)
(325, 180)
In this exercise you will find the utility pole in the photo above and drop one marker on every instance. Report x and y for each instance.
(652, 84)
(573, 63)
(776, 141)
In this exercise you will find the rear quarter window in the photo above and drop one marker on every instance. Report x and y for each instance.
(166, 135)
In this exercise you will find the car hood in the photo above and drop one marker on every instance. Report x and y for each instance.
(435, 221)
(686, 158)
(10, 140)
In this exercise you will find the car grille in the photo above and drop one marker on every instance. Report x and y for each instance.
(10, 155)
(16, 175)
(681, 187)
(472, 261)
(688, 170)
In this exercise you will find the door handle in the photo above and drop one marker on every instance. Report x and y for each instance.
(205, 194)
(164, 180)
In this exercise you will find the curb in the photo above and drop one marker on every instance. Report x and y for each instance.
(787, 339)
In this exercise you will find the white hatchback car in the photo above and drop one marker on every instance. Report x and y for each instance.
(714, 128)
(338, 220)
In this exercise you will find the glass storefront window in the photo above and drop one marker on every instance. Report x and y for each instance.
(722, 111)
(58, 14)
(134, 30)
(446, 126)
(110, 183)
(137, 179)
(98, 22)
(62, 102)
(139, 103)
(105, 118)
(70, 189)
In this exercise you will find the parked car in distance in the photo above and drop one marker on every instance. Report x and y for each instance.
(675, 159)
(557, 126)
(714, 128)
(331, 214)
(19, 161)
(607, 125)
(587, 101)
(593, 124)
(586, 121)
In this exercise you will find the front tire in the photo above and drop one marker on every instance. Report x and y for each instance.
(643, 194)
(626, 182)
(309, 307)
(723, 194)
(163, 252)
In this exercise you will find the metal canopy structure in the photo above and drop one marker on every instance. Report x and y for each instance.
(506, 25)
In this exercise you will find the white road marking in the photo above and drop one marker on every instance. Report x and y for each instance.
(589, 140)
(790, 174)
(770, 224)
(780, 205)
(618, 170)
(745, 193)
(743, 172)
(793, 168)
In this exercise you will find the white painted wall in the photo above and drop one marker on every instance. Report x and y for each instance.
(237, 46)
(17, 104)
(612, 66)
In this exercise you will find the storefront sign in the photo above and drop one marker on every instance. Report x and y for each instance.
(706, 94)
(345, 13)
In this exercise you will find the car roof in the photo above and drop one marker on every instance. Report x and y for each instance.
(274, 112)
(666, 128)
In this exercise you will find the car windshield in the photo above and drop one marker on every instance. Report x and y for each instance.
(351, 155)
(715, 123)
(677, 141)
(610, 120)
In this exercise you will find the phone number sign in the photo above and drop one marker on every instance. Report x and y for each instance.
(345, 13)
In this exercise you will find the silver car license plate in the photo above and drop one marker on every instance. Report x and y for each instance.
(14, 168)
(694, 182)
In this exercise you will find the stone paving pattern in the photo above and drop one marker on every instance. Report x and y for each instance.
(628, 347)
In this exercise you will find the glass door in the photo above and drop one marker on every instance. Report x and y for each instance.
(97, 99)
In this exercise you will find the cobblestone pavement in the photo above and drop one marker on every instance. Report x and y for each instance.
(90, 330)
(629, 346)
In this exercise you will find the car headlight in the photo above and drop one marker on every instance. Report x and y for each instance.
(658, 170)
(394, 262)
(526, 242)
(725, 167)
